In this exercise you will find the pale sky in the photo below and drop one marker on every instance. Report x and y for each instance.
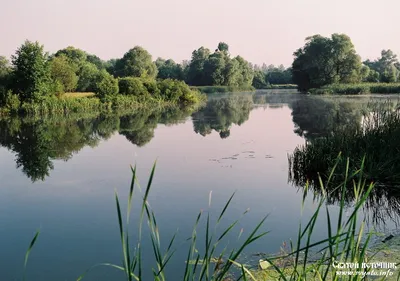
(259, 30)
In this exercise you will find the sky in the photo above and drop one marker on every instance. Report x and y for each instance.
(261, 31)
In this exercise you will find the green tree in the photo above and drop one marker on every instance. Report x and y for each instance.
(31, 71)
(137, 62)
(5, 68)
(5, 76)
(214, 69)
(386, 66)
(168, 69)
(110, 66)
(87, 77)
(223, 47)
(63, 72)
(76, 57)
(246, 71)
(389, 74)
(106, 86)
(195, 75)
(324, 61)
(232, 73)
(259, 81)
(95, 60)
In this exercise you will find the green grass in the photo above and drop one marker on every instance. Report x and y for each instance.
(222, 89)
(78, 95)
(84, 102)
(358, 89)
(88, 103)
(347, 240)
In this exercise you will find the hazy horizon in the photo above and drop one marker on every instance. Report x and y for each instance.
(261, 31)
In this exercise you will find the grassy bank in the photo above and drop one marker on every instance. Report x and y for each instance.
(358, 89)
(87, 102)
(222, 89)
(122, 93)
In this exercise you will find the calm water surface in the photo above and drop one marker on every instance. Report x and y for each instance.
(60, 175)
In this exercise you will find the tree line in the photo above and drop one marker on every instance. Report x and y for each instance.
(34, 74)
(332, 60)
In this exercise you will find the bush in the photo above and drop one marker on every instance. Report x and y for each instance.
(173, 90)
(57, 88)
(132, 86)
(178, 92)
(11, 102)
(106, 86)
(87, 77)
(151, 86)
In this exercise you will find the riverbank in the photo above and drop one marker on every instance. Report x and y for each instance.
(90, 102)
(222, 89)
(358, 89)
(279, 87)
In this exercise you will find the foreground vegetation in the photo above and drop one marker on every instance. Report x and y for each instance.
(347, 242)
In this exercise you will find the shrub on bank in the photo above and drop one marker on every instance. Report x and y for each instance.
(106, 86)
(10, 102)
(132, 86)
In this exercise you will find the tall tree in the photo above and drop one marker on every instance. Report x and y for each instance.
(387, 66)
(88, 75)
(31, 71)
(195, 75)
(137, 62)
(324, 61)
(168, 69)
(76, 57)
(223, 47)
(214, 68)
(5, 73)
(246, 72)
(63, 72)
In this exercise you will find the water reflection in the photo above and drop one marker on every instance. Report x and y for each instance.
(220, 113)
(332, 126)
(37, 142)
